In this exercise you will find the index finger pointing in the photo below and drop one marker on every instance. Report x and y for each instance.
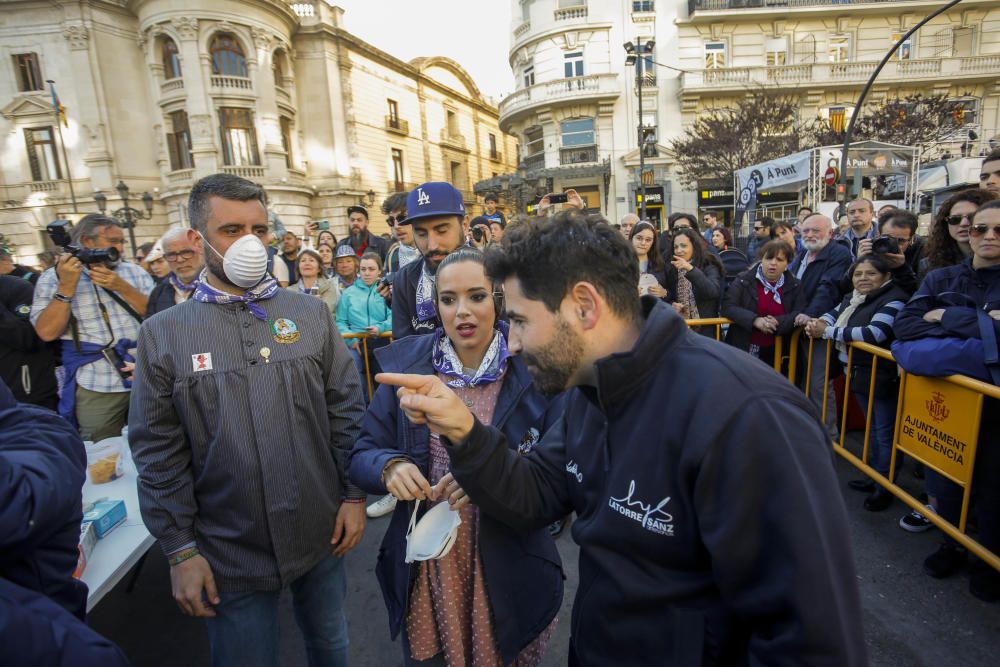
(407, 380)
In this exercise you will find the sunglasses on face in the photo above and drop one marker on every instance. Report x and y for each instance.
(757, 229)
(980, 229)
(394, 220)
(957, 219)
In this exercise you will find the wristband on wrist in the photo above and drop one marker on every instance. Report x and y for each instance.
(352, 501)
(62, 297)
(179, 557)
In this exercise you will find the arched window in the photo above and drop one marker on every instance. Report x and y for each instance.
(280, 66)
(171, 59)
(227, 56)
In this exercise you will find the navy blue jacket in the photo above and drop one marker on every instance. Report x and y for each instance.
(404, 303)
(42, 465)
(36, 632)
(162, 297)
(821, 280)
(962, 291)
(711, 532)
(523, 571)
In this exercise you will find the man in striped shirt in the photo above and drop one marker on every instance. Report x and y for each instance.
(245, 408)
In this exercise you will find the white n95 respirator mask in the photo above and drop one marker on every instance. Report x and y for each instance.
(245, 262)
(434, 535)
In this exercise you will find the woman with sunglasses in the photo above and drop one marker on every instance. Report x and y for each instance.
(492, 598)
(948, 242)
(956, 304)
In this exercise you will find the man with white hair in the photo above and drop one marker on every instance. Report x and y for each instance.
(628, 222)
(186, 259)
(820, 266)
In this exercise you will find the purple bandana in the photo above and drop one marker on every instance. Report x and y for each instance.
(181, 287)
(425, 296)
(445, 360)
(265, 289)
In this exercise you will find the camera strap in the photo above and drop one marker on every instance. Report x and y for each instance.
(104, 316)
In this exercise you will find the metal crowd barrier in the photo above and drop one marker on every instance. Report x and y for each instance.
(956, 399)
(364, 337)
(937, 424)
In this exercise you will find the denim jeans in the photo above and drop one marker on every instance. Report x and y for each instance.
(244, 632)
(880, 440)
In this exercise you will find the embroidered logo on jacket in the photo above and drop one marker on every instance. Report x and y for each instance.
(573, 469)
(528, 442)
(651, 517)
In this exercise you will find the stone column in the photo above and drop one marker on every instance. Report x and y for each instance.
(196, 71)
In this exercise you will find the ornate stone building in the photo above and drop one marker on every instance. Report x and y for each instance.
(159, 93)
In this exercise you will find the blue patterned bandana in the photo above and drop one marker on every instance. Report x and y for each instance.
(445, 360)
(426, 311)
(768, 287)
(181, 287)
(265, 289)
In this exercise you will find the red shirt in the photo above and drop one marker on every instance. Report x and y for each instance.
(766, 305)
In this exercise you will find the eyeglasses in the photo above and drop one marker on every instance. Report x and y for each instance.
(957, 219)
(756, 228)
(175, 256)
(981, 229)
(394, 220)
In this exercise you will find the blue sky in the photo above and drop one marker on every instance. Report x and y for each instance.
(475, 33)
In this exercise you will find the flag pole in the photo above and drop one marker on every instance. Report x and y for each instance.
(59, 121)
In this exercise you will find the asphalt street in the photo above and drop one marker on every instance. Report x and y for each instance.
(909, 618)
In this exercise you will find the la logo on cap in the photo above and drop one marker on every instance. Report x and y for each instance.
(422, 197)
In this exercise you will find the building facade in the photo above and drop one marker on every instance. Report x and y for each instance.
(823, 52)
(158, 93)
(575, 107)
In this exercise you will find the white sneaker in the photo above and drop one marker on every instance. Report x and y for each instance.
(381, 507)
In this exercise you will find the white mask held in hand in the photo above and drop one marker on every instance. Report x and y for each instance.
(435, 534)
(245, 262)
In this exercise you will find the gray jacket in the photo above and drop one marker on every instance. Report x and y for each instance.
(241, 429)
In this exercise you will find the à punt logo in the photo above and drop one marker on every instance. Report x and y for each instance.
(937, 408)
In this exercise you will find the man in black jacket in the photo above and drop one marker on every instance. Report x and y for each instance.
(897, 225)
(186, 259)
(360, 240)
(27, 363)
(820, 267)
(710, 534)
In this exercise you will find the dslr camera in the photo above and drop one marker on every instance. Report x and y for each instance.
(385, 280)
(885, 245)
(478, 234)
(59, 233)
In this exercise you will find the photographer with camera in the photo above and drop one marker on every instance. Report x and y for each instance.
(480, 235)
(895, 234)
(94, 303)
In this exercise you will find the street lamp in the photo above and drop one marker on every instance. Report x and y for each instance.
(647, 136)
(126, 215)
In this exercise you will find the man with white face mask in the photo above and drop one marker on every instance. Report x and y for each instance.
(245, 409)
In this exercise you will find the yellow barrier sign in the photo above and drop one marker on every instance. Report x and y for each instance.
(939, 425)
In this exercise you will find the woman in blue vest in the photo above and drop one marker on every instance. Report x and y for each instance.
(496, 592)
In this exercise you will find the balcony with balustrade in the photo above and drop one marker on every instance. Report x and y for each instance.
(573, 90)
(707, 10)
(839, 75)
(244, 171)
(232, 83)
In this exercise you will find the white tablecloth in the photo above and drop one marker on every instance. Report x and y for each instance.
(120, 549)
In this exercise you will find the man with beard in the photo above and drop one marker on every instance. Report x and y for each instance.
(245, 487)
(185, 261)
(95, 310)
(989, 172)
(820, 267)
(436, 212)
(683, 559)
(360, 239)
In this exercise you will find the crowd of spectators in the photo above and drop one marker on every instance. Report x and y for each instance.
(935, 301)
